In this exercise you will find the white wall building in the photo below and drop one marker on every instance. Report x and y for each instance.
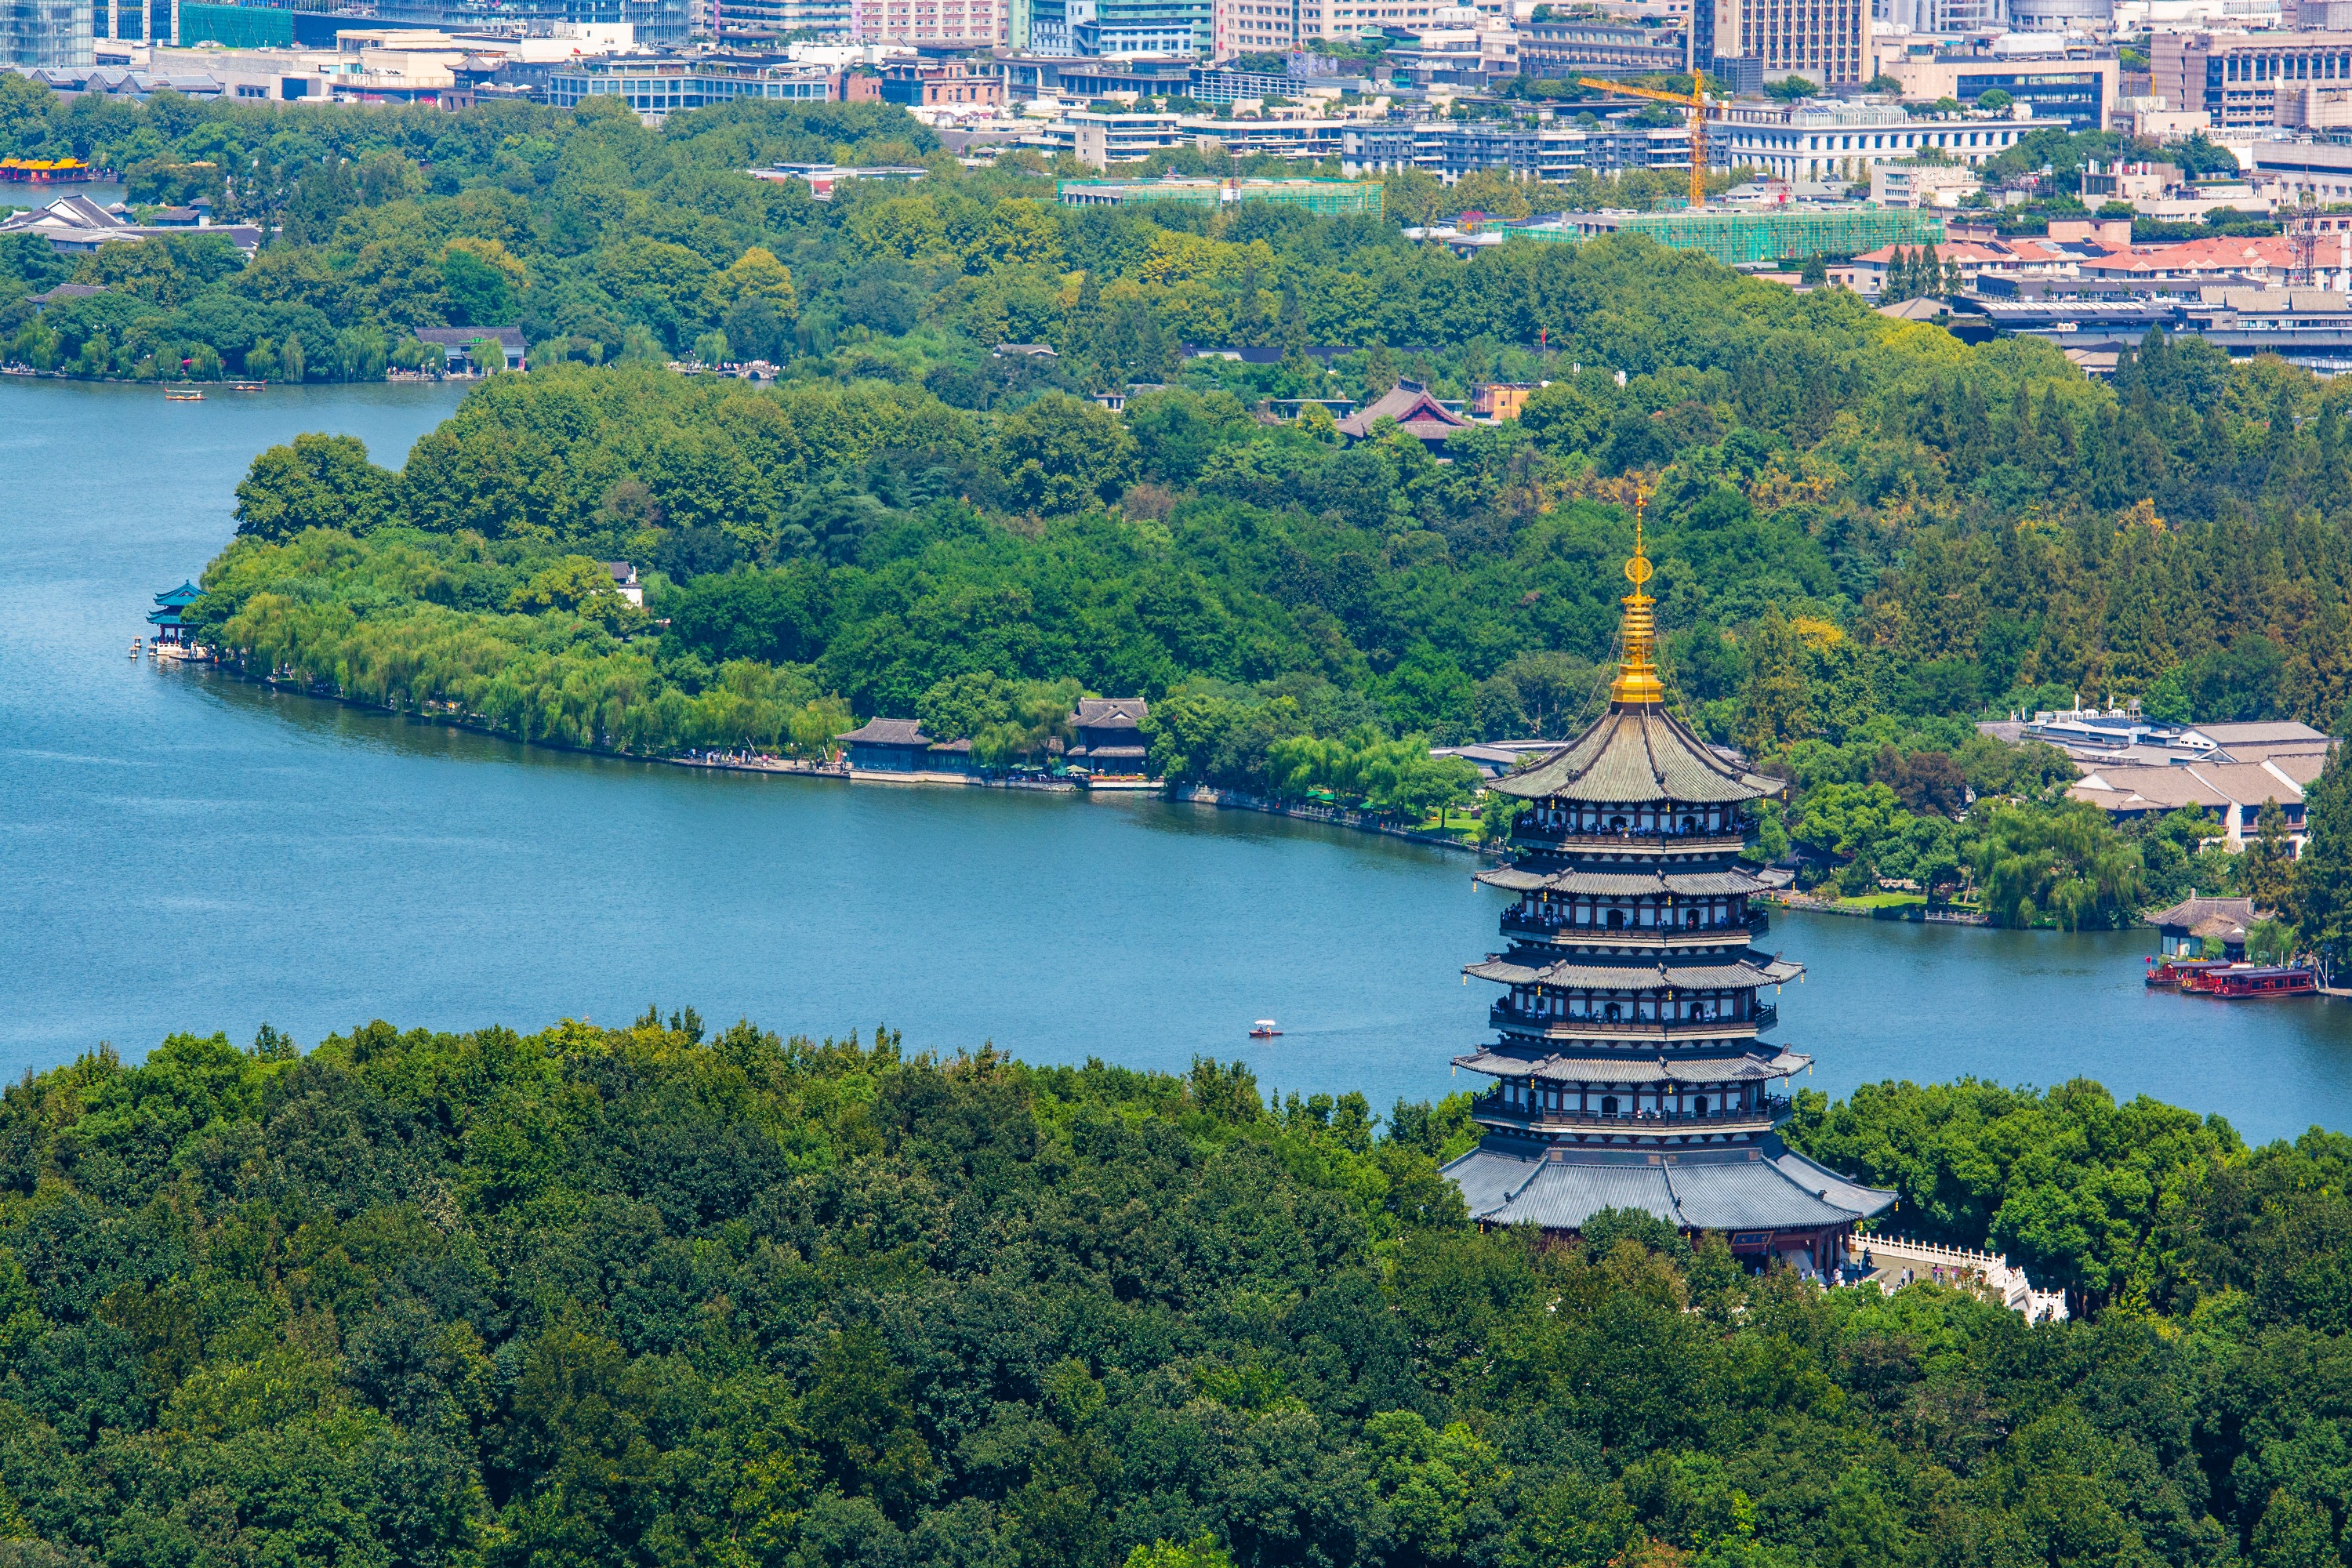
(973, 24)
(1824, 41)
(1847, 140)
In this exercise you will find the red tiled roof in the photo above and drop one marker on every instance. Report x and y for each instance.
(2221, 254)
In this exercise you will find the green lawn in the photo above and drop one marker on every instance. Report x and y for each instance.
(1882, 900)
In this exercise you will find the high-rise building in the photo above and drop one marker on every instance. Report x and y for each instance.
(51, 33)
(1824, 41)
(1265, 26)
(1629, 1066)
(2238, 77)
(731, 19)
(1121, 29)
(964, 23)
(1930, 16)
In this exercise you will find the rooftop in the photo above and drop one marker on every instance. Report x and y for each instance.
(1744, 969)
(1770, 1188)
(1416, 412)
(886, 732)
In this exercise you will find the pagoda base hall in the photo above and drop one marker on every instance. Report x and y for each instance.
(1768, 1201)
(1629, 1064)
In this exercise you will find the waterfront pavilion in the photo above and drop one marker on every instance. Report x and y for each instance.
(165, 617)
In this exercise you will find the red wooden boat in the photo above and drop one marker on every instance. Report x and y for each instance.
(2248, 982)
(2177, 973)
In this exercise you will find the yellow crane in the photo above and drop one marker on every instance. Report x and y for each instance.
(1695, 102)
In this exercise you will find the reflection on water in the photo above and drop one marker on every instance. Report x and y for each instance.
(183, 850)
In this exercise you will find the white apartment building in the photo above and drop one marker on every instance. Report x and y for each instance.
(1099, 141)
(1260, 26)
(973, 24)
(1845, 141)
(1824, 41)
(1257, 26)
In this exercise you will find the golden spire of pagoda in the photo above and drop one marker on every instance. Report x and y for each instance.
(1637, 681)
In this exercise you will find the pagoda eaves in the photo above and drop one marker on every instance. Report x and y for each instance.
(1627, 1068)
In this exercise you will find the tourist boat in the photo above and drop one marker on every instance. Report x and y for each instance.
(249, 386)
(2245, 982)
(188, 396)
(2175, 974)
(1264, 1029)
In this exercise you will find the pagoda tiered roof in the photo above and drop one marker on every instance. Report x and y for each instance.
(1673, 1114)
(1638, 753)
(1751, 968)
(1622, 884)
(1769, 1187)
(1746, 1067)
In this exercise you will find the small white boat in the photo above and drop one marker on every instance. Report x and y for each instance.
(1264, 1029)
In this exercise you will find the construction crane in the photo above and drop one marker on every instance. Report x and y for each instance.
(1695, 102)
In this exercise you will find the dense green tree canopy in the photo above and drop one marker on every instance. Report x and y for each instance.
(639, 1295)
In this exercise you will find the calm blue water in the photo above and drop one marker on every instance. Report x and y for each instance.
(183, 852)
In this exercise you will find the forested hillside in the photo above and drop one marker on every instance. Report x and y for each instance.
(637, 1297)
(1868, 534)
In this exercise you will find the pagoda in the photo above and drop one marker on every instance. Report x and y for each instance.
(1629, 1064)
(165, 617)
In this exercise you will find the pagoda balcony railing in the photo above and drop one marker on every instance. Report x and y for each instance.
(1628, 838)
(1553, 1026)
(1763, 1115)
(1714, 931)
(1760, 920)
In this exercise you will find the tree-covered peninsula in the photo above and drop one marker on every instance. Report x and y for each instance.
(639, 1295)
(1869, 535)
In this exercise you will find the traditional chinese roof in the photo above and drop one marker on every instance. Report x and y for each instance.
(1622, 884)
(1750, 968)
(1411, 405)
(2191, 913)
(1111, 712)
(1743, 1068)
(1638, 753)
(185, 593)
(466, 337)
(886, 732)
(1770, 1188)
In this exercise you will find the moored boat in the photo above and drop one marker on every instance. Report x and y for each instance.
(2175, 974)
(2260, 982)
(176, 396)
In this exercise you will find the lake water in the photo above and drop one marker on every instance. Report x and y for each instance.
(180, 852)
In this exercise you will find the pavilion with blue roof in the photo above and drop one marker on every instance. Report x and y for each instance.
(165, 617)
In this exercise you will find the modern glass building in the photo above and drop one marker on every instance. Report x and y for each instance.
(38, 33)
(659, 86)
